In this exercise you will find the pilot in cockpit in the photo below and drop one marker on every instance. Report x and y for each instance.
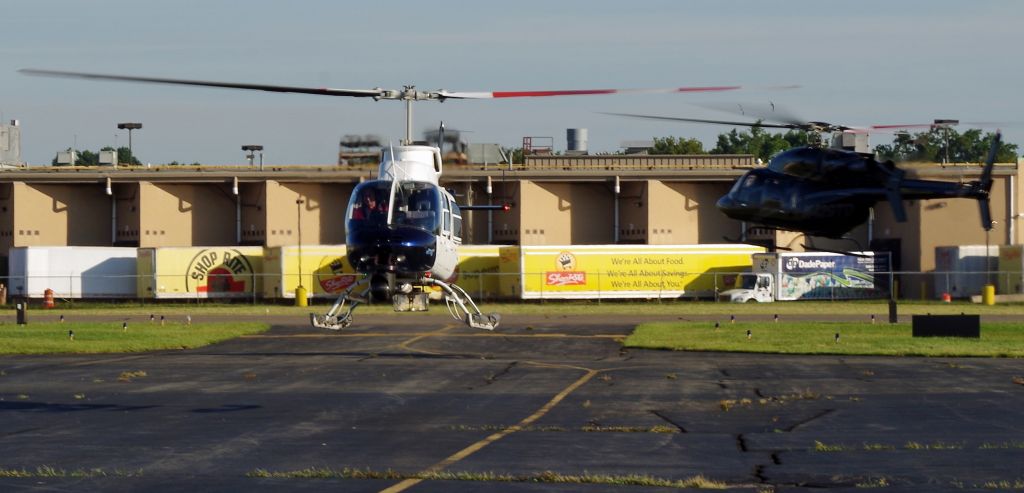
(369, 207)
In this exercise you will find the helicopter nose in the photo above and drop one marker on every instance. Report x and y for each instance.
(726, 202)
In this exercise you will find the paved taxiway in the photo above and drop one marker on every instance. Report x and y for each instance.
(417, 392)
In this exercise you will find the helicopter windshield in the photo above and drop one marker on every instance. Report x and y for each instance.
(415, 204)
(748, 188)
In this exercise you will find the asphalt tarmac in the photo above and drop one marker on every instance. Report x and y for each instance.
(414, 393)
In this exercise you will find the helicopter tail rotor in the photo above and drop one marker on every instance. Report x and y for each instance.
(984, 185)
(892, 191)
(893, 177)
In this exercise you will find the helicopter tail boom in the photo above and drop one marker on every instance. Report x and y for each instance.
(978, 190)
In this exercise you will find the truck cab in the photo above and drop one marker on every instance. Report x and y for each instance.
(750, 287)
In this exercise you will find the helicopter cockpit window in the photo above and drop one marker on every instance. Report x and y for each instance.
(446, 226)
(801, 162)
(414, 204)
(456, 220)
(747, 188)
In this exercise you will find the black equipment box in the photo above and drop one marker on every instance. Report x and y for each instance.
(947, 325)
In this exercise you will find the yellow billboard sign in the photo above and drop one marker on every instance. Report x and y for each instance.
(199, 272)
(630, 271)
(488, 271)
(325, 271)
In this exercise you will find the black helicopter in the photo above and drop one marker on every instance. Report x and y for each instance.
(821, 191)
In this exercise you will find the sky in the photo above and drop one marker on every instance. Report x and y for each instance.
(858, 63)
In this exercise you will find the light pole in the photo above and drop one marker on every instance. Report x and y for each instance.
(129, 126)
(944, 124)
(251, 149)
(298, 210)
(988, 258)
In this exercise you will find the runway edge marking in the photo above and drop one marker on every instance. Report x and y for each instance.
(476, 447)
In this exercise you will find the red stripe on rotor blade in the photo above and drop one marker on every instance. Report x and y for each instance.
(586, 92)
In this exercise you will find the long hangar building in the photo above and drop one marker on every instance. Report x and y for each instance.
(557, 200)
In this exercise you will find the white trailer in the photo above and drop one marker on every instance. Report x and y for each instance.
(72, 272)
(961, 271)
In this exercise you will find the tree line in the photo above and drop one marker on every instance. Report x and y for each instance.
(971, 146)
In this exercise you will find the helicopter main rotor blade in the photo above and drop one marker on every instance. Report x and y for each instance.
(407, 93)
(931, 125)
(714, 122)
(366, 93)
(764, 112)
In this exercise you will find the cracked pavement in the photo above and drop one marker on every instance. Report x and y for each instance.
(415, 393)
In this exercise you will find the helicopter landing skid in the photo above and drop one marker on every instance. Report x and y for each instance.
(462, 308)
(331, 320)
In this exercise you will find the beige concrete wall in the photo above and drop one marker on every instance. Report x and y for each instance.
(634, 207)
(685, 214)
(545, 212)
(56, 215)
(186, 215)
(322, 213)
(254, 217)
(129, 216)
(506, 225)
(567, 213)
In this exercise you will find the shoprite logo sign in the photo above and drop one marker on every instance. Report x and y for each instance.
(333, 278)
(219, 270)
(566, 275)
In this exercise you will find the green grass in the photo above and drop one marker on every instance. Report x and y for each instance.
(50, 338)
(879, 308)
(53, 472)
(997, 339)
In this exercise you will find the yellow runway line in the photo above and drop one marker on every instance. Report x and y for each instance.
(405, 344)
(476, 447)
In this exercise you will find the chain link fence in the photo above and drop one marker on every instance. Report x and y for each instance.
(495, 286)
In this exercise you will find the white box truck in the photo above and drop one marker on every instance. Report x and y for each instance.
(812, 276)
